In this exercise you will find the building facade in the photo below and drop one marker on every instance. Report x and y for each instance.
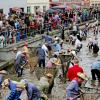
(7, 5)
(37, 5)
(95, 3)
(55, 3)
(77, 2)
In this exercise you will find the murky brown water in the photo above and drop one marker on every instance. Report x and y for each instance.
(59, 90)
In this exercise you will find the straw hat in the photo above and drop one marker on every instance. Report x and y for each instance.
(44, 96)
(15, 49)
(49, 75)
(20, 85)
(57, 38)
(61, 41)
(3, 72)
(25, 50)
(46, 43)
(24, 81)
(82, 75)
(57, 62)
(5, 82)
(73, 52)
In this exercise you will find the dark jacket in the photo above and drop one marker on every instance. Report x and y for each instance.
(40, 53)
(32, 92)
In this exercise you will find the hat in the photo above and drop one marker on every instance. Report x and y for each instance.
(73, 52)
(15, 49)
(49, 75)
(87, 24)
(21, 85)
(24, 81)
(57, 38)
(39, 45)
(3, 72)
(44, 96)
(62, 41)
(55, 42)
(82, 75)
(69, 50)
(5, 82)
(25, 50)
(45, 43)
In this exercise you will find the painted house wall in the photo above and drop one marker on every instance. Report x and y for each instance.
(7, 4)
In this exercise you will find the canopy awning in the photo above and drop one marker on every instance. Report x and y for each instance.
(17, 9)
(60, 6)
(51, 11)
(69, 8)
(77, 7)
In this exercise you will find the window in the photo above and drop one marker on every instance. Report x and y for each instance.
(36, 8)
(28, 9)
(44, 8)
(22, 9)
(1, 10)
(95, 5)
(99, 5)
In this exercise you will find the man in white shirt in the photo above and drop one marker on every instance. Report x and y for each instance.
(72, 39)
(15, 50)
(44, 47)
(74, 29)
(78, 45)
(95, 41)
(1, 23)
(2, 38)
(18, 53)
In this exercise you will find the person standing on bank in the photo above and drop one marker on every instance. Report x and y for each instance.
(78, 45)
(74, 29)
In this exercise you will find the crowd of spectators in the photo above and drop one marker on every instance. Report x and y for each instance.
(18, 26)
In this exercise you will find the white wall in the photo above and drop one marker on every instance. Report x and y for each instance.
(37, 1)
(41, 3)
(6, 4)
(95, 2)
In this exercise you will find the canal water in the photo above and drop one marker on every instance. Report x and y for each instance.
(59, 91)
